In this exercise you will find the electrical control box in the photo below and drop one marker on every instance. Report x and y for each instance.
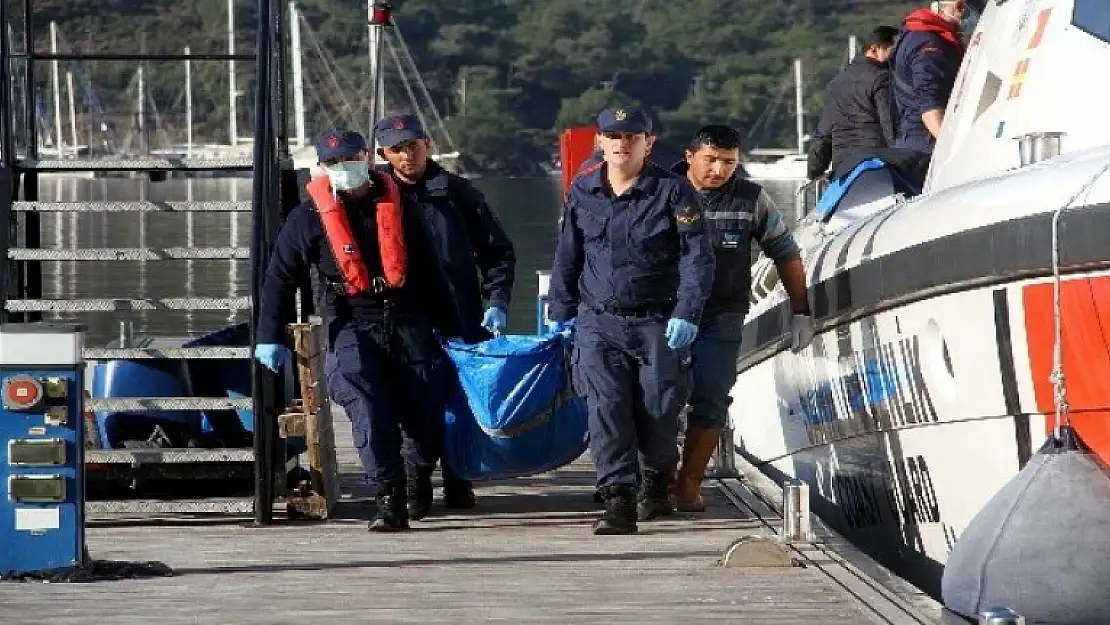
(42, 459)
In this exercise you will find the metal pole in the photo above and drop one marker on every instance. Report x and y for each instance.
(724, 460)
(796, 521)
(72, 112)
(55, 70)
(7, 114)
(380, 14)
(188, 107)
(800, 117)
(298, 76)
(232, 127)
(262, 205)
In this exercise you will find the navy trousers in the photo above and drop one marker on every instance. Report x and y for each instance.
(716, 354)
(388, 377)
(635, 386)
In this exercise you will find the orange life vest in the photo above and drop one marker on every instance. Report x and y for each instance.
(341, 239)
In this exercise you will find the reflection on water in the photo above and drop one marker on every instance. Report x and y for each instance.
(528, 208)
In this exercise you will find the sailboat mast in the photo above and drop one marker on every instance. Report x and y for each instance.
(232, 125)
(298, 76)
(798, 103)
(380, 14)
(188, 105)
(54, 71)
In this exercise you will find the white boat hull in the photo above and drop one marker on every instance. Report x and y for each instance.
(900, 475)
(927, 386)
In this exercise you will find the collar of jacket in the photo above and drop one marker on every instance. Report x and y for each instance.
(436, 180)
(646, 182)
(682, 168)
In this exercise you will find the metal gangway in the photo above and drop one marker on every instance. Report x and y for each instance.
(22, 254)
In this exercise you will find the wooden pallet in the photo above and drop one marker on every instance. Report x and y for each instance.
(310, 418)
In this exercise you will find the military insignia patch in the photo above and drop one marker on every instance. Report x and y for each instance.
(398, 124)
(688, 215)
(619, 115)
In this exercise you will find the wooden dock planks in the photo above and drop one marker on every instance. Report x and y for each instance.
(525, 555)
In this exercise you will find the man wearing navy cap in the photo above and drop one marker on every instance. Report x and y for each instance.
(383, 361)
(475, 261)
(632, 272)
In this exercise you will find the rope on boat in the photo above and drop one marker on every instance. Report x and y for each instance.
(93, 571)
(1059, 385)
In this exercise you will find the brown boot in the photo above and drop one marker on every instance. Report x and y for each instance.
(696, 451)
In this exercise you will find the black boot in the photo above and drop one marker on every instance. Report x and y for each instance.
(653, 499)
(419, 491)
(620, 511)
(458, 494)
(392, 514)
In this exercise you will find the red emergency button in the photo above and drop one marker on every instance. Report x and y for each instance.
(22, 392)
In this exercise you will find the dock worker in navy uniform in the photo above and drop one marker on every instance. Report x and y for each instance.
(737, 212)
(633, 267)
(924, 64)
(384, 364)
(474, 261)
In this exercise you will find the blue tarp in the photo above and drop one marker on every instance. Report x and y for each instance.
(838, 187)
(513, 412)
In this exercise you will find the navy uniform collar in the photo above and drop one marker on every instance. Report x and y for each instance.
(435, 180)
(646, 183)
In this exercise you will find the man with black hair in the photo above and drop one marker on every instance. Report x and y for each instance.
(737, 212)
(858, 113)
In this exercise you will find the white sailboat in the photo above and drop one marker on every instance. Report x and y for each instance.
(929, 384)
(789, 166)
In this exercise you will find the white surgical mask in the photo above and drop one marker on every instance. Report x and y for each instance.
(348, 175)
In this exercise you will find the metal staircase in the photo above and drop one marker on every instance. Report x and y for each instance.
(21, 256)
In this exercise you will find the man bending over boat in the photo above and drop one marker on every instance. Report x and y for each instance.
(384, 363)
(857, 112)
(737, 212)
(472, 258)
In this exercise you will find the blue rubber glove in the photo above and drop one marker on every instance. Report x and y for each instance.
(495, 320)
(271, 355)
(680, 333)
(561, 327)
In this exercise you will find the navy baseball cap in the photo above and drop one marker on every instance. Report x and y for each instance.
(336, 144)
(395, 129)
(631, 119)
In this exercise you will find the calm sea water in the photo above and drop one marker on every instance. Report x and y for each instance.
(528, 208)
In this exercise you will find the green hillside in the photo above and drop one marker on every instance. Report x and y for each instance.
(505, 74)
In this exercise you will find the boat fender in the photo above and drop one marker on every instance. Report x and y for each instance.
(1039, 545)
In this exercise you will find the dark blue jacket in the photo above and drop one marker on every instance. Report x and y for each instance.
(924, 73)
(647, 248)
(301, 244)
(471, 255)
(739, 213)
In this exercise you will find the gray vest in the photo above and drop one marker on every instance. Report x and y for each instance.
(730, 212)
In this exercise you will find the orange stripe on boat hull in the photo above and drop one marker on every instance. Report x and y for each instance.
(1085, 306)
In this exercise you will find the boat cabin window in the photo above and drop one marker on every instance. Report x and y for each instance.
(1092, 17)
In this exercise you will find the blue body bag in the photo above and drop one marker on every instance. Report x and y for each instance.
(512, 411)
